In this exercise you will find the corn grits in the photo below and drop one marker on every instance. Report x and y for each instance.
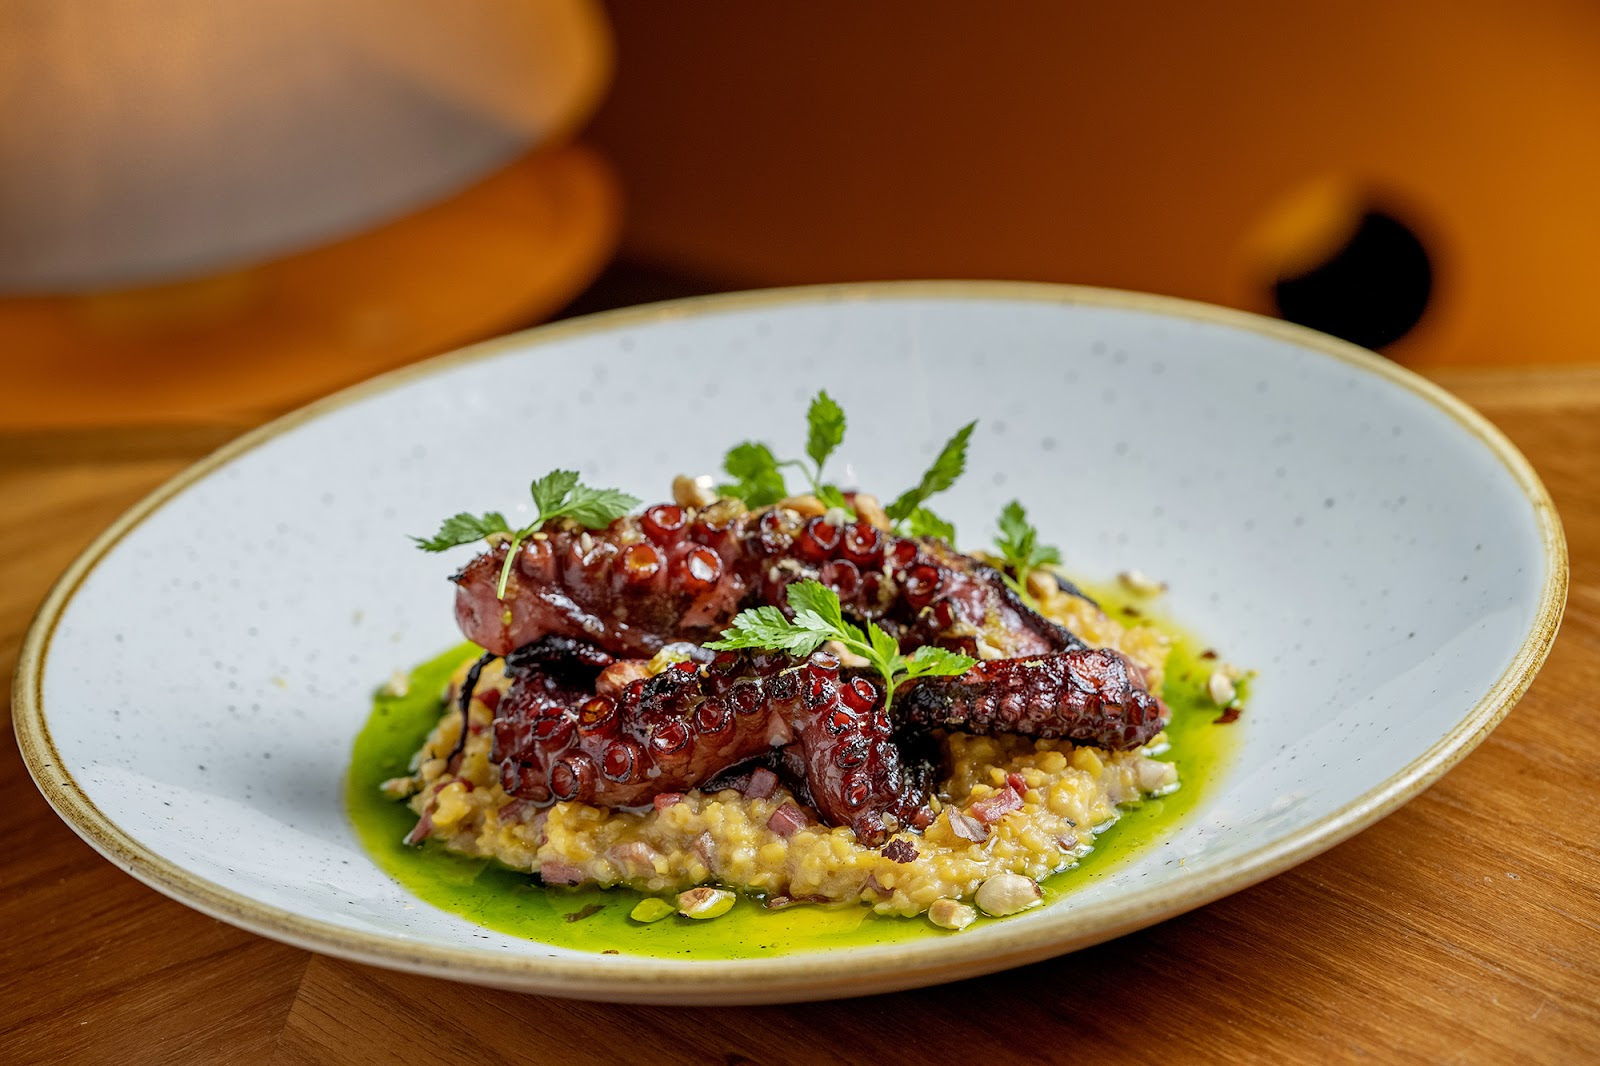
(1070, 794)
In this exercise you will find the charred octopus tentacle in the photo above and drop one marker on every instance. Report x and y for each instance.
(1094, 696)
(674, 574)
(643, 582)
(681, 727)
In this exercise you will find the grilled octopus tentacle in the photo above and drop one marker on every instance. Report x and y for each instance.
(690, 722)
(1094, 695)
(673, 574)
(643, 582)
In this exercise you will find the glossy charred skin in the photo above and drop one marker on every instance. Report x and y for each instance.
(854, 771)
(643, 582)
(673, 574)
(673, 731)
(1092, 696)
(976, 612)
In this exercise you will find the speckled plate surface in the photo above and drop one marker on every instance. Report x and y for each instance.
(188, 695)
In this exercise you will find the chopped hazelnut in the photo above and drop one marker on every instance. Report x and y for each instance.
(951, 914)
(806, 506)
(693, 491)
(869, 509)
(1220, 688)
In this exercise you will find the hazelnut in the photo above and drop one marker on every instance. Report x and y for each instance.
(1007, 894)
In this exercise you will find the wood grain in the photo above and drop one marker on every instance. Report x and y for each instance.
(1463, 928)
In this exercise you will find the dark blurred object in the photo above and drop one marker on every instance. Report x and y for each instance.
(627, 282)
(1136, 146)
(1371, 291)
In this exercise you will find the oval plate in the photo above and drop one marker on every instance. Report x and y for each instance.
(187, 696)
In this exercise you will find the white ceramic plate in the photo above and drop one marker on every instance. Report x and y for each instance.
(188, 695)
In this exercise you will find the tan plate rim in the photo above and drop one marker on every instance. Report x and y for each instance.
(817, 975)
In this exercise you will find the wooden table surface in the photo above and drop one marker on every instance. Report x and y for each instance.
(1463, 928)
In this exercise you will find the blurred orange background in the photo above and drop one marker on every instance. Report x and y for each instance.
(1174, 148)
(1188, 149)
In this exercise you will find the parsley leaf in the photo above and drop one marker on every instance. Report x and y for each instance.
(832, 497)
(559, 493)
(757, 479)
(1019, 547)
(951, 462)
(550, 490)
(758, 474)
(463, 529)
(815, 598)
(825, 420)
(595, 508)
(818, 617)
(884, 647)
(924, 523)
(930, 660)
(766, 627)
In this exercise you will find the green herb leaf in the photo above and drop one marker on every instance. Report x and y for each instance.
(766, 627)
(931, 661)
(595, 508)
(818, 618)
(813, 597)
(924, 523)
(1015, 530)
(550, 490)
(825, 422)
(884, 647)
(950, 464)
(560, 494)
(757, 479)
(758, 474)
(463, 529)
(832, 497)
(1019, 548)
(556, 494)
(1019, 541)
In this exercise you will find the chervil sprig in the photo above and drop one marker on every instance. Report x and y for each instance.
(757, 479)
(824, 432)
(1019, 548)
(949, 465)
(924, 523)
(818, 618)
(758, 474)
(556, 495)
